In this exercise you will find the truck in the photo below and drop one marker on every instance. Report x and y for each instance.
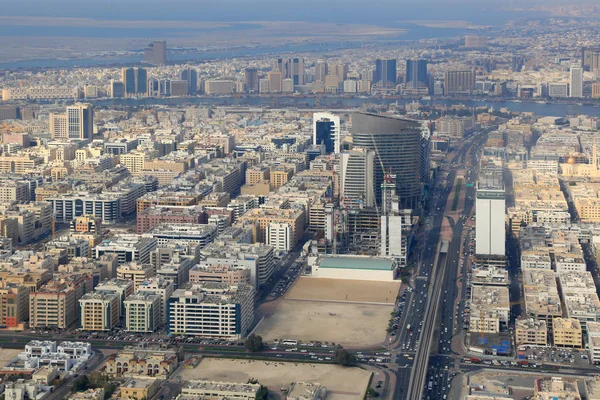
(408, 328)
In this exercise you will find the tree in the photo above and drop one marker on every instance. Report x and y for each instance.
(254, 343)
(81, 384)
(263, 392)
(344, 358)
(372, 392)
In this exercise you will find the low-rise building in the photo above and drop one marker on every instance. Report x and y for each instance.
(490, 309)
(567, 332)
(197, 389)
(138, 388)
(531, 332)
(133, 362)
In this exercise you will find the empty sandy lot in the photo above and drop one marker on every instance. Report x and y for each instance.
(7, 355)
(349, 324)
(344, 290)
(342, 383)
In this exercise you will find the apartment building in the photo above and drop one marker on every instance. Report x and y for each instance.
(161, 287)
(14, 299)
(135, 272)
(123, 288)
(567, 332)
(531, 332)
(142, 312)
(211, 310)
(258, 258)
(264, 216)
(99, 310)
(128, 248)
(224, 273)
(490, 309)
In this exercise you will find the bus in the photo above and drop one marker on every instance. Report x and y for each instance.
(290, 342)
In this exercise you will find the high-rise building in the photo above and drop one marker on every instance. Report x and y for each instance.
(135, 80)
(116, 89)
(590, 58)
(156, 53)
(357, 177)
(490, 211)
(476, 41)
(395, 224)
(341, 71)
(385, 72)
(76, 123)
(326, 130)
(275, 81)
(321, 70)
(596, 90)
(416, 73)
(576, 81)
(191, 77)
(397, 146)
(459, 81)
(251, 80)
(290, 68)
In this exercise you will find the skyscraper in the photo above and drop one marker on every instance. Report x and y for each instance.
(341, 71)
(191, 76)
(490, 211)
(135, 80)
(590, 58)
(459, 81)
(76, 123)
(321, 70)
(251, 80)
(326, 130)
(290, 68)
(156, 53)
(576, 81)
(357, 173)
(275, 81)
(397, 146)
(416, 73)
(116, 89)
(385, 72)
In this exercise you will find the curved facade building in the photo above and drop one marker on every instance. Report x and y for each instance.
(397, 146)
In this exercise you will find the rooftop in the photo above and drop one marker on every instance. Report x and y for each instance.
(358, 262)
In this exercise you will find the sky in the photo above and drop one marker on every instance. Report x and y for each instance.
(338, 11)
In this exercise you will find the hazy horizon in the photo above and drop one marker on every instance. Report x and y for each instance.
(335, 11)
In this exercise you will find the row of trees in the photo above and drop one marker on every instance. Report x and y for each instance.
(343, 357)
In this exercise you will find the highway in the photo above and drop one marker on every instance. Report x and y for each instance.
(412, 370)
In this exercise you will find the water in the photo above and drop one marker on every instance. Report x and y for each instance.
(385, 13)
(540, 109)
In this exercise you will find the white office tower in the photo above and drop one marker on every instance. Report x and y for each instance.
(395, 224)
(576, 81)
(490, 211)
(357, 170)
(327, 131)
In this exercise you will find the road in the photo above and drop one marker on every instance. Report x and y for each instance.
(411, 374)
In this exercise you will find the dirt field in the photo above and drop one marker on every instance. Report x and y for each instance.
(349, 324)
(7, 355)
(344, 290)
(342, 383)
